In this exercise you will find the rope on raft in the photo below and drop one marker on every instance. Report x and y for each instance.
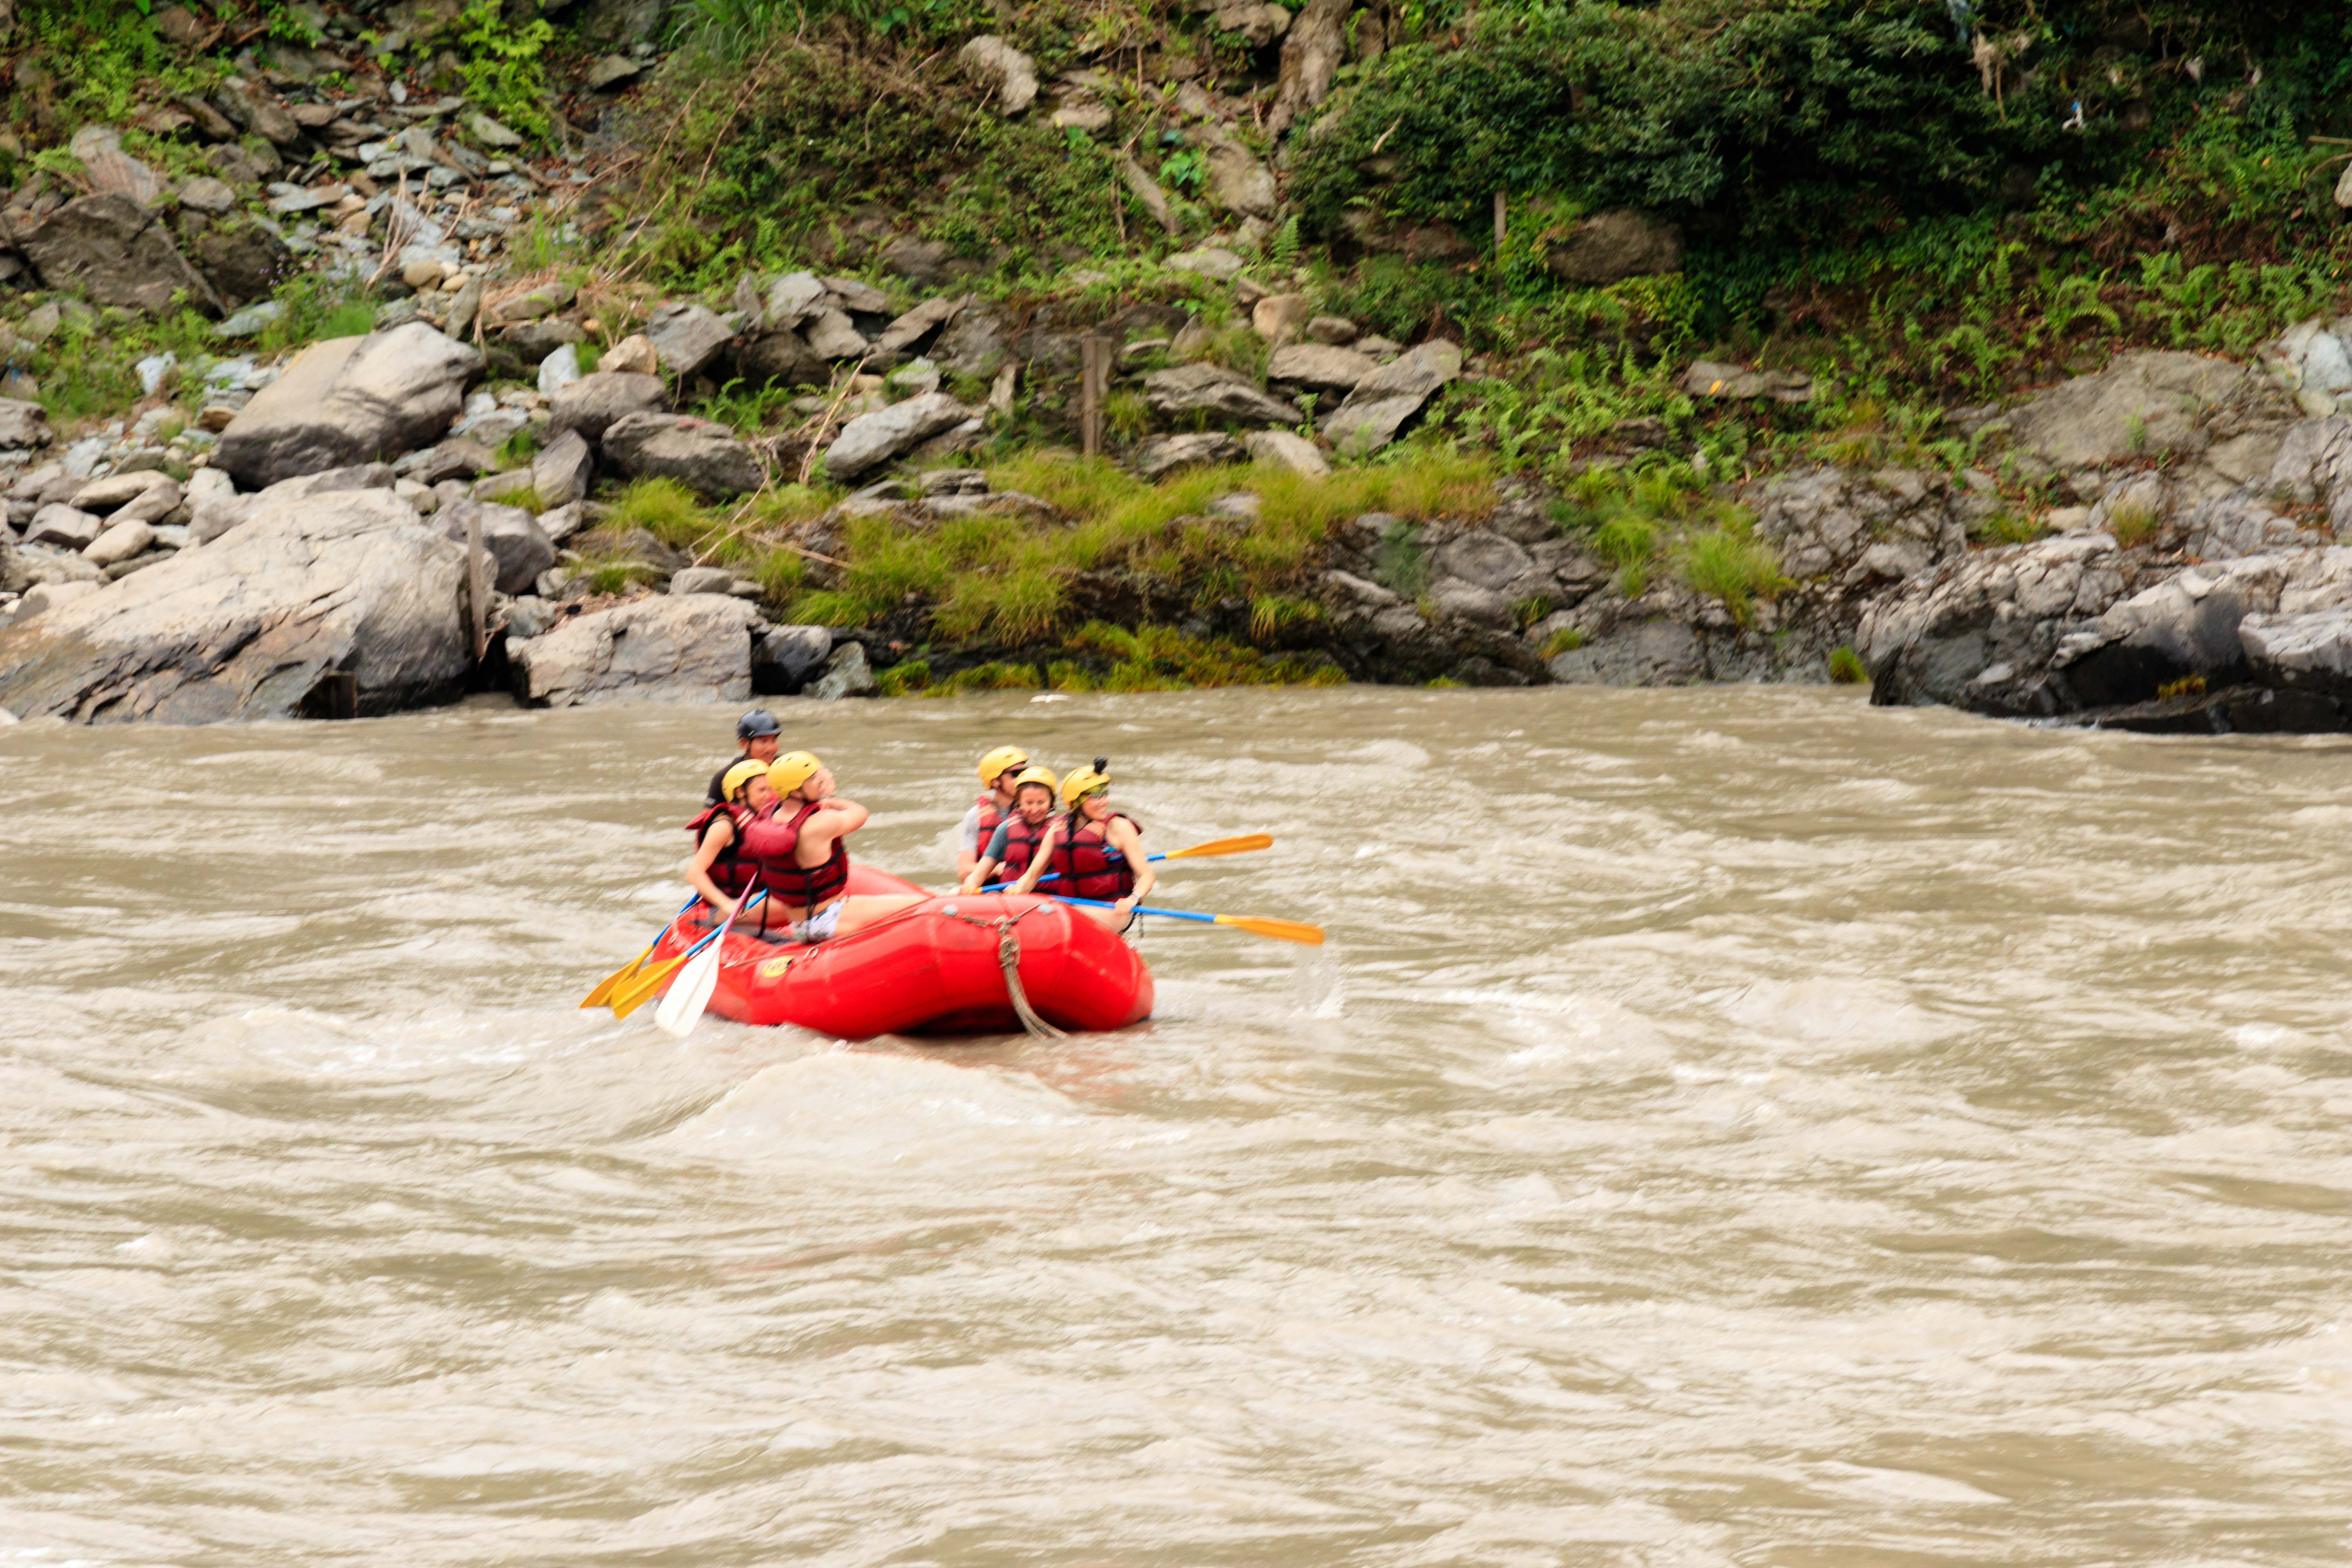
(1008, 959)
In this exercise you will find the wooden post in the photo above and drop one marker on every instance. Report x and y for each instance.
(1500, 227)
(476, 594)
(1095, 377)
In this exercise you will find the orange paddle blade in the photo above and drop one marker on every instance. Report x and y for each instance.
(1240, 845)
(1281, 930)
(603, 991)
(638, 990)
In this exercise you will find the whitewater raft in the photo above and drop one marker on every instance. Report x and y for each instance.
(939, 968)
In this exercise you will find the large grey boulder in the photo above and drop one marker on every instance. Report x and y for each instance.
(1319, 367)
(687, 339)
(318, 607)
(1192, 450)
(23, 425)
(846, 674)
(786, 658)
(872, 440)
(1290, 450)
(1608, 246)
(1384, 400)
(675, 647)
(111, 250)
(350, 400)
(707, 459)
(1218, 393)
(2308, 652)
(512, 537)
(67, 527)
(1641, 653)
(594, 402)
(2145, 404)
(1979, 631)
(216, 509)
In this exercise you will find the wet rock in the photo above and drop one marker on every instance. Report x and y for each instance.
(111, 250)
(846, 674)
(560, 472)
(1383, 401)
(707, 459)
(1979, 631)
(1641, 653)
(1289, 449)
(1165, 455)
(1013, 73)
(872, 440)
(314, 608)
(787, 657)
(349, 400)
(596, 400)
(1318, 367)
(1217, 393)
(675, 647)
(686, 339)
(1613, 246)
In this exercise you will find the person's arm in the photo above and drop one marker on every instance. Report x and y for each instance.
(1124, 835)
(990, 859)
(968, 843)
(715, 839)
(834, 818)
(1038, 861)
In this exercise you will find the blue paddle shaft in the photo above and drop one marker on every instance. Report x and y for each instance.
(1139, 908)
(714, 936)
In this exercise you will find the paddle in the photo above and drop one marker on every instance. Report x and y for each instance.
(1256, 925)
(690, 995)
(1240, 845)
(603, 991)
(636, 991)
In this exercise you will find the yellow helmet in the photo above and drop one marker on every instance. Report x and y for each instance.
(1085, 781)
(791, 770)
(739, 775)
(1043, 775)
(992, 766)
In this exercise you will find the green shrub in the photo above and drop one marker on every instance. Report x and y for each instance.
(1847, 666)
(1728, 564)
(1565, 640)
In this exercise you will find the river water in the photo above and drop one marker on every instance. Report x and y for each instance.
(1731, 1126)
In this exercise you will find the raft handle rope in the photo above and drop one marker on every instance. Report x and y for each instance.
(1008, 959)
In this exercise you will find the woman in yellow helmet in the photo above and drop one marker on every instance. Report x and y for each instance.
(1014, 842)
(803, 860)
(719, 869)
(998, 770)
(1098, 851)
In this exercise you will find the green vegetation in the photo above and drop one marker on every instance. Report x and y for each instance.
(996, 578)
(2133, 522)
(1729, 564)
(1847, 666)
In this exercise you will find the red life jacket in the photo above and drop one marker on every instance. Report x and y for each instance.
(772, 840)
(732, 871)
(1090, 868)
(1021, 842)
(990, 814)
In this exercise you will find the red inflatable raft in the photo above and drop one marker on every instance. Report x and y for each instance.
(929, 971)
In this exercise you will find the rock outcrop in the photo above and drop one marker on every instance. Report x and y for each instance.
(322, 607)
(350, 400)
(682, 648)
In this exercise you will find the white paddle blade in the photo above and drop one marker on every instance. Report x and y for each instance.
(689, 994)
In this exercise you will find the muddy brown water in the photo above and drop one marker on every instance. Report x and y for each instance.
(1728, 1126)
